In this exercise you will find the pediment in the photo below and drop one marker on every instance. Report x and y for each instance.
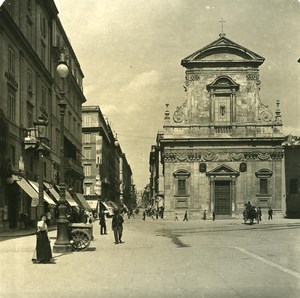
(222, 50)
(223, 170)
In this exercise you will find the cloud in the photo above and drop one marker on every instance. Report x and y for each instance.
(142, 81)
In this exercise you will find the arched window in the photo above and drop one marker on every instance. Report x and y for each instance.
(222, 92)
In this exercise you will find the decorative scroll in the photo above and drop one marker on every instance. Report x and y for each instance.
(178, 116)
(266, 115)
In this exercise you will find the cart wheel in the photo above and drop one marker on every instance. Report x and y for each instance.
(79, 239)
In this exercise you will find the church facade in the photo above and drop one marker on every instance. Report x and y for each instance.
(222, 147)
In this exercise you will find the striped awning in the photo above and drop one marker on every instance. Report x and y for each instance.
(28, 189)
(35, 185)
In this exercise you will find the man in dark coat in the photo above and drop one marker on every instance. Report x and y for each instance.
(117, 226)
(102, 223)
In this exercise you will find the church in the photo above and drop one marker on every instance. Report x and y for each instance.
(223, 146)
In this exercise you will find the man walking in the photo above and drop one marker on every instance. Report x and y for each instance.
(185, 216)
(117, 226)
(270, 213)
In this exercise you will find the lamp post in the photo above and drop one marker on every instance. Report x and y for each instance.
(41, 134)
(62, 243)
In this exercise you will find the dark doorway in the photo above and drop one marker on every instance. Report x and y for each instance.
(222, 197)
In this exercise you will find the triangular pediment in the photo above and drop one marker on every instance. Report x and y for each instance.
(223, 170)
(222, 50)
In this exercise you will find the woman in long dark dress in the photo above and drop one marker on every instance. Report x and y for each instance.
(42, 253)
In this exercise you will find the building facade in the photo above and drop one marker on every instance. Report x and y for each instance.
(32, 39)
(222, 147)
(292, 175)
(107, 174)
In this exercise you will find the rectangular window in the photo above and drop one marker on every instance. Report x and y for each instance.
(43, 97)
(87, 153)
(29, 80)
(11, 60)
(29, 115)
(43, 26)
(293, 186)
(43, 52)
(87, 189)
(181, 187)
(11, 105)
(87, 170)
(87, 121)
(29, 30)
(263, 186)
(86, 137)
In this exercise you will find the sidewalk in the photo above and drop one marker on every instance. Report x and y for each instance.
(22, 233)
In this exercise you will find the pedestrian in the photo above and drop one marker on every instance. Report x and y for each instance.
(144, 215)
(213, 215)
(259, 213)
(270, 213)
(176, 217)
(185, 216)
(156, 213)
(42, 252)
(204, 215)
(102, 223)
(117, 226)
(162, 209)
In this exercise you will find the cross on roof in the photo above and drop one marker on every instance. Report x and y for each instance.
(222, 24)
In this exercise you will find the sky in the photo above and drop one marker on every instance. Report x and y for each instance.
(130, 53)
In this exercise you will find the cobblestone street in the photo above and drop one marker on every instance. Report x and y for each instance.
(164, 258)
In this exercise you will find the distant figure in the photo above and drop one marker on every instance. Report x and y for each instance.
(156, 213)
(144, 215)
(213, 215)
(176, 217)
(185, 216)
(259, 213)
(270, 213)
(42, 252)
(162, 209)
(117, 226)
(204, 215)
(102, 223)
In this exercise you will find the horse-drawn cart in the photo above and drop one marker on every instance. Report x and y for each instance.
(250, 214)
(80, 235)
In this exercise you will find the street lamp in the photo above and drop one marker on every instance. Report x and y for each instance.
(41, 134)
(62, 243)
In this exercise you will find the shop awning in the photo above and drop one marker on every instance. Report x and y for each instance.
(52, 191)
(28, 189)
(83, 201)
(69, 198)
(35, 185)
(113, 204)
(108, 208)
(93, 204)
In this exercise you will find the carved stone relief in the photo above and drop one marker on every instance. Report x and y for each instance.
(186, 156)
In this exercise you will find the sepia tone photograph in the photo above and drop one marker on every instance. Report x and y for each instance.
(150, 148)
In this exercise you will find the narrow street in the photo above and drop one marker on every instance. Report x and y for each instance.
(225, 258)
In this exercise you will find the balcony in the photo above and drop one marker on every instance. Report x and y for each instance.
(73, 166)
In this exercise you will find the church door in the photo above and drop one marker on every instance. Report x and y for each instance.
(222, 197)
